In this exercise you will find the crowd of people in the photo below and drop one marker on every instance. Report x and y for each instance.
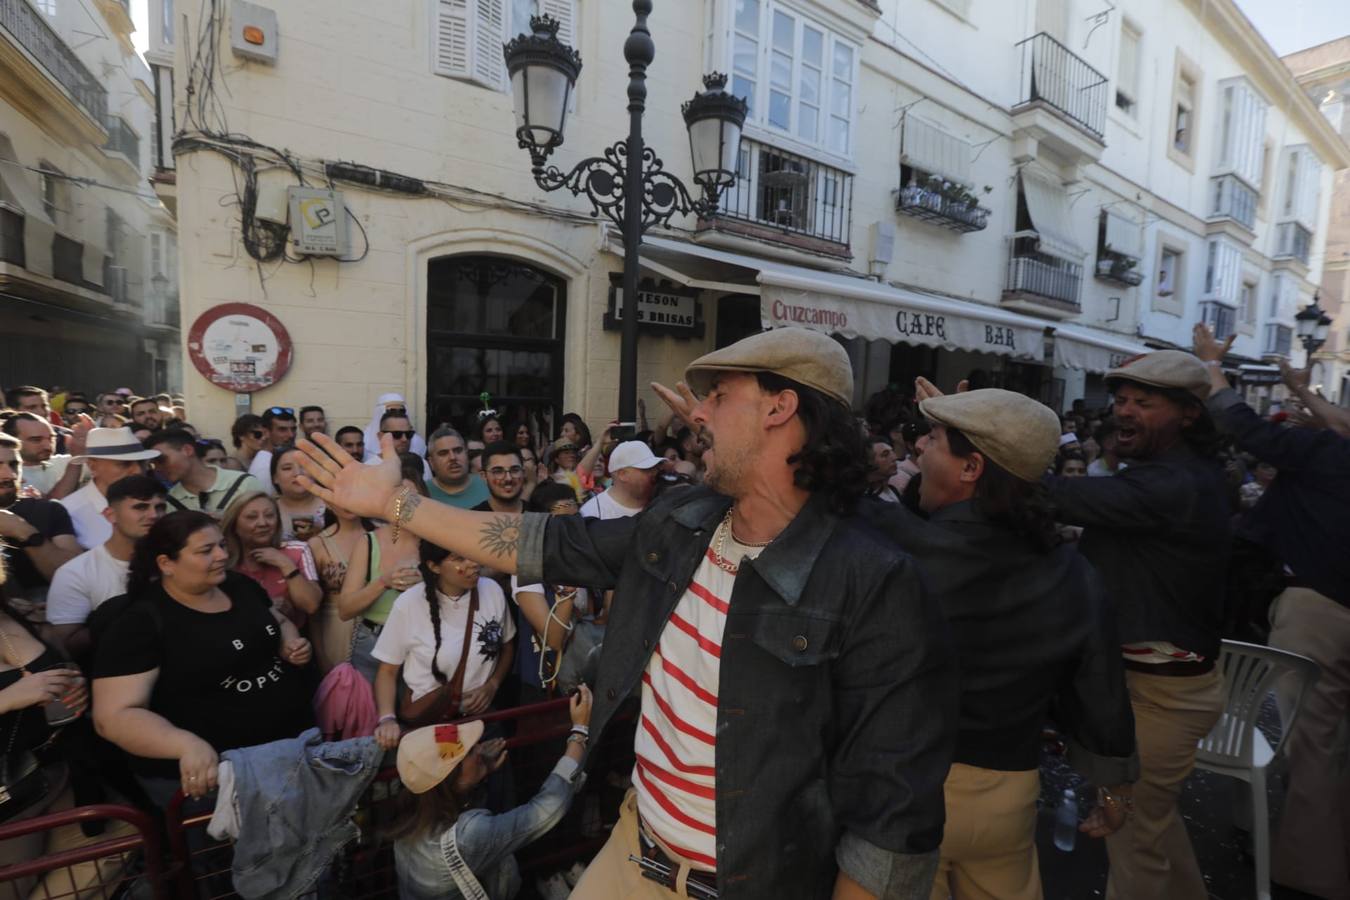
(845, 634)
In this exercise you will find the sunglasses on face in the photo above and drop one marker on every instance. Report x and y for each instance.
(395, 409)
(499, 472)
(399, 435)
(258, 434)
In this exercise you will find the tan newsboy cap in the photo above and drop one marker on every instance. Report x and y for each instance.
(1165, 369)
(1011, 429)
(808, 357)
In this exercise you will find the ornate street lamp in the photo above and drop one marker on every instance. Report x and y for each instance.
(629, 183)
(1313, 326)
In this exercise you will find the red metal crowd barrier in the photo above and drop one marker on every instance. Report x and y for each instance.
(94, 869)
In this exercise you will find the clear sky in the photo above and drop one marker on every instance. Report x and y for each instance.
(1291, 25)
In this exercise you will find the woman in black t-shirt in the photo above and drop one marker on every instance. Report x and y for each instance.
(198, 663)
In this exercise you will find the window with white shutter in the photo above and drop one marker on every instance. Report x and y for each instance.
(450, 38)
(489, 33)
(467, 35)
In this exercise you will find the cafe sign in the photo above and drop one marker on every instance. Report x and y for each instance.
(927, 324)
(662, 308)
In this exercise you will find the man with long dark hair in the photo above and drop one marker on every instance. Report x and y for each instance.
(1158, 532)
(798, 695)
(1034, 637)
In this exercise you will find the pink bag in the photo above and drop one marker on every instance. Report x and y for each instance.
(344, 704)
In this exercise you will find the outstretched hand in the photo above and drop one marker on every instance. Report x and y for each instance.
(1206, 347)
(332, 475)
(1295, 379)
(926, 390)
(681, 399)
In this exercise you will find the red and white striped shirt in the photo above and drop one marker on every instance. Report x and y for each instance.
(677, 734)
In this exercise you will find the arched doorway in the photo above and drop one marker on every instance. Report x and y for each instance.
(494, 325)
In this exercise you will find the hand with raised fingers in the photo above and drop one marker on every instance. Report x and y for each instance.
(681, 399)
(1206, 347)
(335, 478)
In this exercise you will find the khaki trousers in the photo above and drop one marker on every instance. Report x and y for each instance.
(612, 876)
(989, 844)
(1312, 843)
(1151, 856)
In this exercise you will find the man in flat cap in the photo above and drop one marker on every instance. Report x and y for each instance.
(1303, 519)
(798, 694)
(1035, 639)
(1158, 533)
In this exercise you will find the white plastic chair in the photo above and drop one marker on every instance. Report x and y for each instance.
(1236, 746)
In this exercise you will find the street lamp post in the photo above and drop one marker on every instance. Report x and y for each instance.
(629, 184)
(1313, 325)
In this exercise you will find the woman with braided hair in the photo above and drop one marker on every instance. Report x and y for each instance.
(452, 636)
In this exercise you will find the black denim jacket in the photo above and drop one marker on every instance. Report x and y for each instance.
(837, 703)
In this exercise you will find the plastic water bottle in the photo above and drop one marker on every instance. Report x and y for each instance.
(1066, 821)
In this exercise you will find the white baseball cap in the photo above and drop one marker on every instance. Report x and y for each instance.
(633, 455)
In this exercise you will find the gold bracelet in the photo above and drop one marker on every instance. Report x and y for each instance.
(1107, 799)
(398, 511)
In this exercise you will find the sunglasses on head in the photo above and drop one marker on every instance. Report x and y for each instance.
(281, 411)
(401, 434)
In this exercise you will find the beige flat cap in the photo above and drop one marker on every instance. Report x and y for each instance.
(808, 357)
(1018, 433)
(1165, 369)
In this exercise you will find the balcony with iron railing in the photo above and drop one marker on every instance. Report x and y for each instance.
(1292, 241)
(1055, 76)
(1041, 283)
(1232, 198)
(1220, 317)
(26, 27)
(788, 198)
(1279, 341)
(121, 139)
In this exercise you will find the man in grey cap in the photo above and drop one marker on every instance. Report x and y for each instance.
(1158, 533)
(1034, 637)
(798, 695)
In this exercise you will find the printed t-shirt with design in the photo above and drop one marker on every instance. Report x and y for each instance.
(221, 676)
(79, 586)
(676, 736)
(408, 640)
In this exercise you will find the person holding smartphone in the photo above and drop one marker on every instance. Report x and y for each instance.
(445, 844)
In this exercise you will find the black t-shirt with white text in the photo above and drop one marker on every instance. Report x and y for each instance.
(221, 676)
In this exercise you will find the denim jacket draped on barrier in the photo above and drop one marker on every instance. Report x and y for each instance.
(837, 704)
(296, 799)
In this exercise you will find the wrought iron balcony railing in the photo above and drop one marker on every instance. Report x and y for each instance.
(1045, 276)
(1233, 199)
(29, 30)
(790, 193)
(121, 139)
(1054, 75)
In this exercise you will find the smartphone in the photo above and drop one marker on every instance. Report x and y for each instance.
(622, 432)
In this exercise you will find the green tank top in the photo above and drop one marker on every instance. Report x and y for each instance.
(378, 612)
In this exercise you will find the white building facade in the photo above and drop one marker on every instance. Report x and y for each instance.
(85, 246)
(1024, 194)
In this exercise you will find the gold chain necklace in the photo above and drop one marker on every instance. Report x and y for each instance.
(720, 543)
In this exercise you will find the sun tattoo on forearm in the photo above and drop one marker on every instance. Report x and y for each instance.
(499, 536)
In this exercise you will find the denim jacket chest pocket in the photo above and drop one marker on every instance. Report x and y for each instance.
(795, 637)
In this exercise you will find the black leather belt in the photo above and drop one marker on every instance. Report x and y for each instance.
(664, 870)
(1176, 669)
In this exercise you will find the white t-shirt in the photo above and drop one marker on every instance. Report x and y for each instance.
(603, 506)
(79, 586)
(581, 603)
(407, 637)
(44, 476)
(86, 513)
